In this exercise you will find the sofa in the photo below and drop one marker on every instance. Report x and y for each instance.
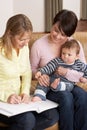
(82, 37)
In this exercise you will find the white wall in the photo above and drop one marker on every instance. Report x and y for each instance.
(73, 5)
(6, 10)
(34, 9)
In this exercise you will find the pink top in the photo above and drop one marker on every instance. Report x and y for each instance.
(42, 53)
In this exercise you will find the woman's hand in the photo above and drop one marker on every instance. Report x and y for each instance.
(44, 80)
(14, 99)
(25, 98)
(61, 71)
(37, 74)
(83, 80)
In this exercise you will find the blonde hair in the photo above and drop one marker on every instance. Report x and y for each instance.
(16, 25)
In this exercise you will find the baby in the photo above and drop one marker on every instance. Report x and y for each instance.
(70, 60)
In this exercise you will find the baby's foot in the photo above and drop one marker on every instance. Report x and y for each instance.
(36, 98)
(55, 83)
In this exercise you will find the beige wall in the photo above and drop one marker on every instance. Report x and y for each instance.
(6, 10)
(73, 5)
(34, 9)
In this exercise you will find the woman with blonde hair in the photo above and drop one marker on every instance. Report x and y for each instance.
(15, 64)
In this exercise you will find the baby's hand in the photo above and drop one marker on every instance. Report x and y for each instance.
(38, 74)
(83, 80)
(61, 71)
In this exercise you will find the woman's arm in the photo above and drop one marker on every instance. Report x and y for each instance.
(26, 75)
(81, 54)
(34, 59)
(73, 75)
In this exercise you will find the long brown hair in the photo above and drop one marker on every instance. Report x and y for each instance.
(16, 25)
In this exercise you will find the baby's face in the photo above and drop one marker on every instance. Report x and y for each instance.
(69, 55)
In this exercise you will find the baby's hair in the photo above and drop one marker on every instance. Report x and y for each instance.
(71, 44)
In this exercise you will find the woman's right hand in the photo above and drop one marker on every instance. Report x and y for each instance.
(44, 80)
(14, 99)
(83, 80)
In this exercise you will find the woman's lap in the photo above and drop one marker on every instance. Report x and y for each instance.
(72, 104)
(46, 119)
(65, 108)
(21, 121)
(72, 108)
(80, 108)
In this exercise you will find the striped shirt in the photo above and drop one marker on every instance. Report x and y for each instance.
(51, 67)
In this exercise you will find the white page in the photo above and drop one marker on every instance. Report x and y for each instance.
(14, 109)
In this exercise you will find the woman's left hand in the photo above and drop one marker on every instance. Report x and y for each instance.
(61, 71)
(83, 80)
(25, 98)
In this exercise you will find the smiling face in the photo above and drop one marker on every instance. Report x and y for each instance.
(57, 36)
(21, 40)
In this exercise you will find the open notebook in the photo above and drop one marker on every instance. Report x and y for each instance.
(14, 109)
